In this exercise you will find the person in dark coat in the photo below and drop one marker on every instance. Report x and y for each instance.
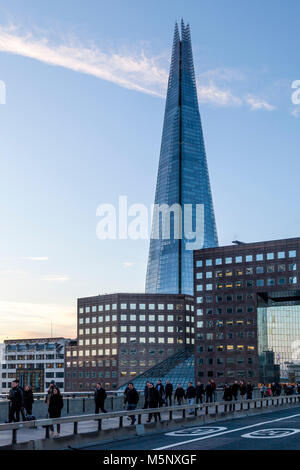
(227, 396)
(235, 389)
(56, 404)
(153, 398)
(161, 390)
(99, 397)
(190, 395)
(209, 392)
(28, 400)
(131, 398)
(249, 391)
(146, 392)
(179, 394)
(16, 402)
(50, 391)
(242, 389)
(169, 392)
(200, 391)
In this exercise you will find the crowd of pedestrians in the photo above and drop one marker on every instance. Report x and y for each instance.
(155, 396)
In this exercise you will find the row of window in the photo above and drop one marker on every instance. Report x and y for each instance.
(232, 347)
(221, 310)
(247, 258)
(259, 283)
(229, 373)
(219, 361)
(133, 306)
(248, 271)
(141, 318)
(226, 298)
(221, 323)
(134, 329)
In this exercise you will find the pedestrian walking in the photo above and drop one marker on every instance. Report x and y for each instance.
(161, 391)
(263, 390)
(100, 396)
(200, 391)
(235, 389)
(169, 392)
(179, 394)
(146, 396)
(131, 400)
(242, 389)
(153, 400)
(190, 395)
(50, 391)
(56, 404)
(227, 395)
(16, 402)
(28, 400)
(249, 391)
(214, 390)
(209, 392)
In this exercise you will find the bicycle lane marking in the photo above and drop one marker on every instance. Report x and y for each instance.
(176, 444)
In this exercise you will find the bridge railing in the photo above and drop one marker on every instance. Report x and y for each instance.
(216, 409)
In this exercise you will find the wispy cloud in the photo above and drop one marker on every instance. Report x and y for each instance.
(296, 112)
(56, 278)
(36, 258)
(257, 103)
(27, 320)
(139, 72)
(127, 264)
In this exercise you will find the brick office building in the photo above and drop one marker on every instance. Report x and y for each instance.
(246, 302)
(119, 336)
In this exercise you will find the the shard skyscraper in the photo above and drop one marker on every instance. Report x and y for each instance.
(182, 176)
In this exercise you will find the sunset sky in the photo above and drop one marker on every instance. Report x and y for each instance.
(85, 94)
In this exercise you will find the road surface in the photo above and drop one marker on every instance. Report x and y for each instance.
(268, 431)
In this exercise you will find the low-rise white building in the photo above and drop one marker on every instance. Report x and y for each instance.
(34, 362)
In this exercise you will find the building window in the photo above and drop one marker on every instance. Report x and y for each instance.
(293, 280)
(199, 264)
(270, 256)
(218, 261)
(249, 258)
(228, 260)
(292, 254)
(208, 262)
(259, 257)
(281, 254)
(238, 259)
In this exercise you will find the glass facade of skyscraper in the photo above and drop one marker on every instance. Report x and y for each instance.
(279, 331)
(182, 179)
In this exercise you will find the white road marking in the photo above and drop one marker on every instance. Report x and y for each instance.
(196, 431)
(271, 433)
(176, 444)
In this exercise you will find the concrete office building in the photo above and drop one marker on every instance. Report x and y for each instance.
(247, 302)
(34, 362)
(120, 336)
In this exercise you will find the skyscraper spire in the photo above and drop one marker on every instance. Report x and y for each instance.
(182, 175)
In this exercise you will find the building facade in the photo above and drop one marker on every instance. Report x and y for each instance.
(34, 362)
(182, 180)
(237, 291)
(119, 336)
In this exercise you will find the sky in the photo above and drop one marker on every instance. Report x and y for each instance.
(81, 125)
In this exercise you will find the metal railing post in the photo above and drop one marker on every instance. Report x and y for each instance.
(14, 436)
(47, 432)
(99, 424)
(75, 431)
